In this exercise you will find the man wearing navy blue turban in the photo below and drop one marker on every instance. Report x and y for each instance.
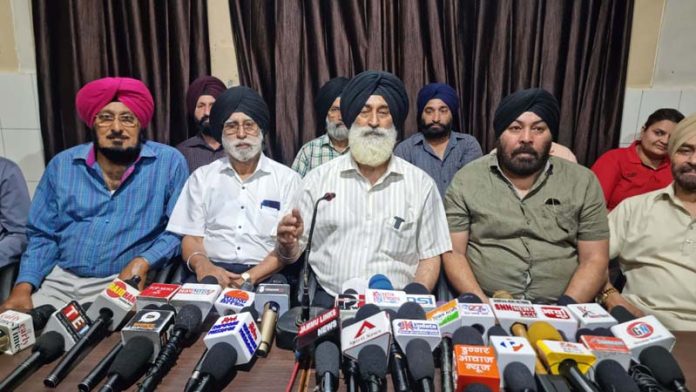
(437, 149)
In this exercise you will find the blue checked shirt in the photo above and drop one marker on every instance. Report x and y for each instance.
(76, 223)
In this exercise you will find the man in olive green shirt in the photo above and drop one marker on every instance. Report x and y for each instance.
(524, 222)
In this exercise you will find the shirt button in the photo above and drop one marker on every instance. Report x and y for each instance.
(242, 207)
(239, 227)
(239, 248)
(106, 220)
(243, 187)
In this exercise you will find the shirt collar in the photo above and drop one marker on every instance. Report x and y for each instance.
(633, 156)
(87, 153)
(325, 140)
(262, 166)
(418, 138)
(395, 166)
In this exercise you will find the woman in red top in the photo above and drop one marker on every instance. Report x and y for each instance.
(641, 167)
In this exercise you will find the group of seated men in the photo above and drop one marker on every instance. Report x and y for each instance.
(520, 219)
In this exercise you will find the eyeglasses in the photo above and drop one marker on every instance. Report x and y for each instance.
(233, 127)
(106, 119)
(334, 110)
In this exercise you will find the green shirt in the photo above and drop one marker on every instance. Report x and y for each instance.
(526, 246)
(314, 153)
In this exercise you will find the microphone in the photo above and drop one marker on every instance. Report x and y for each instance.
(359, 285)
(48, 348)
(202, 295)
(233, 300)
(71, 321)
(496, 330)
(475, 313)
(421, 364)
(129, 364)
(512, 350)
(381, 293)
(272, 299)
(474, 363)
(372, 327)
(559, 318)
(372, 361)
(95, 376)
(416, 292)
(239, 331)
(188, 323)
(350, 366)
(119, 298)
(327, 358)
(380, 282)
(517, 377)
(664, 367)
(323, 326)
(447, 318)
(218, 364)
(640, 333)
(477, 388)
(591, 315)
(611, 376)
(152, 324)
(410, 324)
(349, 302)
(16, 332)
(156, 294)
(565, 300)
(603, 345)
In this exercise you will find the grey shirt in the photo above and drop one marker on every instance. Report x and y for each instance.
(14, 210)
(461, 149)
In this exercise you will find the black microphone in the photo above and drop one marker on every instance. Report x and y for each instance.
(350, 366)
(397, 362)
(48, 348)
(469, 298)
(186, 325)
(216, 367)
(99, 372)
(476, 387)
(327, 358)
(415, 288)
(129, 364)
(518, 378)
(621, 314)
(40, 316)
(496, 330)
(372, 361)
(611, 376)
(421, 364)
(664, 367)
(304, 315)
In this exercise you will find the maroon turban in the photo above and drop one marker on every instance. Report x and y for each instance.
(205, 85)
(96, 94)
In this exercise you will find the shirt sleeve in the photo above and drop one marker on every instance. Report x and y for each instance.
(432, 233)
(608, 173)
(473, 150)
(593, 214)
(168, 244)
(456, 209)
(14, 211)
(42, 231)
(188, 216)
(300, 163)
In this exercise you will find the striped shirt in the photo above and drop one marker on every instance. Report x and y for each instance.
(76, 222)
(315, 153)
(385, 228)
(461, 149)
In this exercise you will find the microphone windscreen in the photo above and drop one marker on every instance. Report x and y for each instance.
(357, 284)
(541, 330)
(416, 288)
(86, 305)
(323, 300)
(133, 282)
(410, 311)
(380, 282)
(565, 300)
(168, 307)
(497, 330)
(372, 361)
(611, 376)
(467, 335)
(583, 332)
(219, 361)
(350, 292)
(189, 319)
(366, 311)
(518, 378)
(50, 346)
(348, 322)
(621, 314)
(327, 358)
(210, 279)
(420, 359)
(151, 306)
(252, 310)
(41, 315)
(469, 298)
(277, 279)
(132, 360)
(476, 387)
(601, 331)
(663, 365)
(391, 313)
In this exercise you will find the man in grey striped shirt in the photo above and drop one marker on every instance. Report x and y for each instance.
(387, 216)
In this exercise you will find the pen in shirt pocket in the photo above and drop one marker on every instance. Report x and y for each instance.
(271, 204)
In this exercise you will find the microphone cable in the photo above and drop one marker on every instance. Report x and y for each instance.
(644, 378)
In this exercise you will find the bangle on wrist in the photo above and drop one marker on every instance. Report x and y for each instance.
(188, 261)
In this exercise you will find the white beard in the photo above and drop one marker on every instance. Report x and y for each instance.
(371, 146)
(336, 132)
(243, 154)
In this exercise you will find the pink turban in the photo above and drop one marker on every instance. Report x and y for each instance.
(96, 94)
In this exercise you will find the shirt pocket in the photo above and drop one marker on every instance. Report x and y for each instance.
(398, 239)
(560, 222)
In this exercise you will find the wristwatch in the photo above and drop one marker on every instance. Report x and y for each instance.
(246, 277)
(602, 298)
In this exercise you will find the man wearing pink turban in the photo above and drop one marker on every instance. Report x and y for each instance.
(101, 208)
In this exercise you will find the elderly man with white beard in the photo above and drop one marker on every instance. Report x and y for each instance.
(228, 210)
(387, 216)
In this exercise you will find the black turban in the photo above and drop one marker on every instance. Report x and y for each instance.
(535, 100)
(238, 99)
(369, 83)
(327, 94)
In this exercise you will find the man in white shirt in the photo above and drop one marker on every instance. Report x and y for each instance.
(387, 216)
(229, 209)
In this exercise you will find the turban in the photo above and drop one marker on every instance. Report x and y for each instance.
(438, 91)
(205, 85)
(535, 100)
(238, 99)
(685, 130)
(96, 94)
(327, 94)
(368, 83)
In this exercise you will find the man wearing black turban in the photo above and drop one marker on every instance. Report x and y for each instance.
(387, 216)
(228, 210)
(522, 221)
(335, 141)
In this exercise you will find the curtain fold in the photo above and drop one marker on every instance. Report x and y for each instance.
(485, 49)
(162, 43)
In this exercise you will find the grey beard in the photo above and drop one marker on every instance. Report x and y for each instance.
(336, 132)
(371, 149)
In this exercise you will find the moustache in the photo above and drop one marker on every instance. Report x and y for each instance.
(525, 150)
(686, 168)
(113, 136)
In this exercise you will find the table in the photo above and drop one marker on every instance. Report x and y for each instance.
(267, 374)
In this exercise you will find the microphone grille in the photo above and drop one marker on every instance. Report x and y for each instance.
(611, 376)
(219, 361)
(497, 330)
(420, 359)
(40, 316)
(410, 311)
(663, 365)
(327, 358)
(50, 346)
(189, 319)
(132, 359)
(469, 298)
(366, 311)
(416, 288)
(467, 335)
(372, 361)
(621, 314)
(518, 378)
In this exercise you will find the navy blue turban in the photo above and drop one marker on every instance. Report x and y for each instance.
(327, 94)
(438, 91)
(535, 100)
(238, 99)
(368, 83)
